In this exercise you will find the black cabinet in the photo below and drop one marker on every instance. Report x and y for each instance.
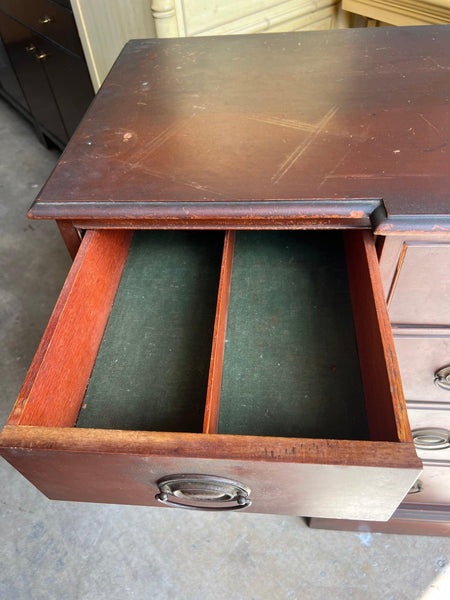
(42, 68)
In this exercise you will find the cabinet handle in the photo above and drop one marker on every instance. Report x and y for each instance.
(202, 492)
(45, 19)
(431, 438)
(442, 378)
(38, 54)
(416, 488)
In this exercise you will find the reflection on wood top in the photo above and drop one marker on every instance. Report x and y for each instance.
(266, 129)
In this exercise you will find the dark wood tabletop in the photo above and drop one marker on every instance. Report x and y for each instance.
(325, 129)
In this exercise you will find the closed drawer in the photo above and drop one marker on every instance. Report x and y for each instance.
(432, 486)
(47, 18)
(423, 360)
(420, 294)
(192, 362)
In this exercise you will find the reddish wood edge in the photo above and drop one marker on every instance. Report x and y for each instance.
(298, 222)
(22, 438)
(71, 236)
(385, 402)
(355, 211)
(56, 381)
(398, 268)
(212, 406)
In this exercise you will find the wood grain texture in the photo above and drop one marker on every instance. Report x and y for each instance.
(71, 237)
(385, 403)
(212, 406)
(228, 215)
(210, 127)
(56, 382)
(286, 476)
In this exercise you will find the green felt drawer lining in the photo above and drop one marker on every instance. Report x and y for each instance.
(151, 371)
(291, 366)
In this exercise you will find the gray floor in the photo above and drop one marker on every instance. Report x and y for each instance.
(62, 550)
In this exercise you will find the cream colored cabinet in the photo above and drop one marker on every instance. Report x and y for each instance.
(214, 17)
(106, 25)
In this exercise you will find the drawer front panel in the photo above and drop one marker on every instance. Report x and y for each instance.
(277, 487)
(421, 290)
(46, 18)
(69, 81)
(435, 485)
(419, 359)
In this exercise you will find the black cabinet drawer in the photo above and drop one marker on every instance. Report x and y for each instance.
(55, 82)
(23, 47)
(47, 18)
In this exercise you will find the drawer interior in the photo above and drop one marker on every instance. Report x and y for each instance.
(151, 371)
(289, 365)
(151, 366)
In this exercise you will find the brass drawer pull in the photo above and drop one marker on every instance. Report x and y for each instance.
(198, 492)
(431, 438)
(39, 54)
(442, 378)
(416, 488)
(45, 19)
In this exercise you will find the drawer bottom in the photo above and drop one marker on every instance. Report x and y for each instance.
(290, 367)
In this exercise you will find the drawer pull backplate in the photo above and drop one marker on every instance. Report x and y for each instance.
(431, 438)
(442, 378)
(416, 488)
(202, 492)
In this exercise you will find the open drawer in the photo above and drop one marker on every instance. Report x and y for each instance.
(252, 370)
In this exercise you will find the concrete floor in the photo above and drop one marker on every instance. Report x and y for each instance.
(63, 550)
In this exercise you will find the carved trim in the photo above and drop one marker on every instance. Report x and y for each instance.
(268, 18)
(164, 13)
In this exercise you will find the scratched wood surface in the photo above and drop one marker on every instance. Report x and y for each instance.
(335, 128)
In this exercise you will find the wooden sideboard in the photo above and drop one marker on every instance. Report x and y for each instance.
(223, 339)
